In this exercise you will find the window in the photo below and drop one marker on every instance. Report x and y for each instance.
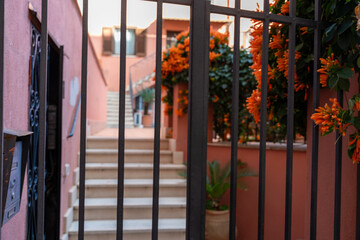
(171, 38)
(135, 41)
(130, 41)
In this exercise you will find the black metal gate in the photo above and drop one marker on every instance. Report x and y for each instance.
(198, 112)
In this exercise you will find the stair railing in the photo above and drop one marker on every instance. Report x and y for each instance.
(139, 63)
(72, 130)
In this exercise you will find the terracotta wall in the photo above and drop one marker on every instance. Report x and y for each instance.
(326, 180)
(247, 208)
(65, 27)
(247, 201)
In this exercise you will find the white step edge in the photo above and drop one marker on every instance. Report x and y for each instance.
(94, 203)
(127, 151)
(130, 225)
(134, 166)
(134, 182)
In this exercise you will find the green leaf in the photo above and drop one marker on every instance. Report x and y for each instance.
(345, 73)
(345, 26)
(330, 32)
(351, 104)
(345, 40)
(356, 123)
(358, 62)
(299, 47)
(344, 84)
(332, 81)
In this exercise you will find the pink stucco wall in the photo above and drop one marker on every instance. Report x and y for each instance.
(96, 92)
(65, 28)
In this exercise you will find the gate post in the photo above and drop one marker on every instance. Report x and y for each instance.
(198, 119)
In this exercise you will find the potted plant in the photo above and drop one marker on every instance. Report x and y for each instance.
(217, 184)
(147, 95)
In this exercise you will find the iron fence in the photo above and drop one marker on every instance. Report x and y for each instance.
(198, 112)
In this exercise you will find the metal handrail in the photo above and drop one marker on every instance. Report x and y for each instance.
(71, 133)
(131, 92)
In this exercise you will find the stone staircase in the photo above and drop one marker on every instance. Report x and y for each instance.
(101, 191)
(113, 111)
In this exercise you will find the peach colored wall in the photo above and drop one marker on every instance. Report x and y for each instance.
(96, 93)
(247, 201)
(65, 27)
(180, 123)
(326, 181)
(111, 64)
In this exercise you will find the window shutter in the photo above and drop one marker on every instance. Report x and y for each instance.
(107, 36)
(140, 43)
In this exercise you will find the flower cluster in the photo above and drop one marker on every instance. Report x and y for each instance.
(329, 66)
(182, 102)
(341, 59)
(278, 73)
(175, 64)
(175, 70)
(253, 104)
(329, 118)
(177, 57)
(354, 148)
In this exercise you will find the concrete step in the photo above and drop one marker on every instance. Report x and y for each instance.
(115, 125)
(116, 98)
(115, 105)
(116, 118)
(116, 121)
(116, 113)
(134, 208)
(107, 188)
(95, 142)
(136, 229)
(132, 171)
(131, 156)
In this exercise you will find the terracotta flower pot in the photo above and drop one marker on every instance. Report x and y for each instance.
(217, 225)
(147, 120)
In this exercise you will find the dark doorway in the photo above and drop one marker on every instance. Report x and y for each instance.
(53, 153)
(53, 130)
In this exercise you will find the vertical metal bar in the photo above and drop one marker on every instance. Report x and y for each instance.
(234, 125)
(198, 119)
(84, 66)
(2, 57)
(315, 132)
(263, 117)
(338, 168)
(42, 122)
(358, 203)
(156, 171)
(290, 124)
(121, 137)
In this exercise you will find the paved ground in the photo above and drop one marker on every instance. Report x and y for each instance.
(129, 132)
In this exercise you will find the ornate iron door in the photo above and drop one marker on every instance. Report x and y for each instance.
(34, 126)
